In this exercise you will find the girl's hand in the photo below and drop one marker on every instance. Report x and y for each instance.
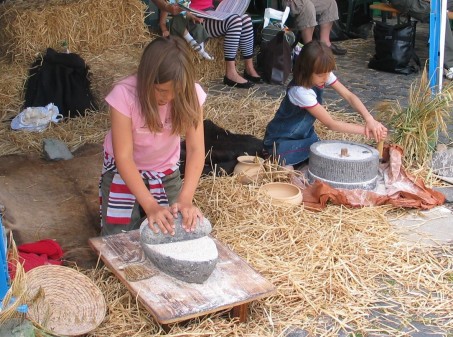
(165, 33)
(193, 18)
(190, 215)
(161, 218)
(375, 129)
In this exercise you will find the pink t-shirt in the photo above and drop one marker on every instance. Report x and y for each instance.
(152, 151)
(201, 4)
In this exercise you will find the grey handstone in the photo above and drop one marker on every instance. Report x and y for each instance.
(147, 235)
(442, 163)
(191, 261)
(447, 192)
(55, 149)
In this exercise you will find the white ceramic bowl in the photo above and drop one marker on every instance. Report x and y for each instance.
(282, 193)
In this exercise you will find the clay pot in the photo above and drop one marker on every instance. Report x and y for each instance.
(248, 168)
(282, 193)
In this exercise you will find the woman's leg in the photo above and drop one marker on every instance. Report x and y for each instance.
(246, 45)
(231, 29)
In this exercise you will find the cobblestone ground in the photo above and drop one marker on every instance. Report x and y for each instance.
(372, 87)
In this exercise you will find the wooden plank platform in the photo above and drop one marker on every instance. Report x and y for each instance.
(232, 285)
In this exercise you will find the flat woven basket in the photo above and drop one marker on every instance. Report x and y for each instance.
(63, 301)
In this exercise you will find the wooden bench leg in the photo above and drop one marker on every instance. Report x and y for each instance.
(240, 312)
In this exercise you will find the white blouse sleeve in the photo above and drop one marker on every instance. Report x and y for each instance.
(303, 97)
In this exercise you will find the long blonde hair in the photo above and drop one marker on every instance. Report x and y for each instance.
(164, 60)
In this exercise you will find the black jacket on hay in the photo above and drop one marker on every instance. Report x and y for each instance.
(222, 148)
(62, 79)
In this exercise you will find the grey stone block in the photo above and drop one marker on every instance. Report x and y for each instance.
(442, 162)
(447, 192)
(147, 236)
(191, 261)
(16, 327)
(296, 332)
(55, 149)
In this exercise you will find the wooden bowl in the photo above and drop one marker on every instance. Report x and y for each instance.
(282, 193)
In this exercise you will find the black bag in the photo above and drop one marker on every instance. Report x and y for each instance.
(271, 30)
(395, 48)
(61, 79)
(274, 59)
(361, 19)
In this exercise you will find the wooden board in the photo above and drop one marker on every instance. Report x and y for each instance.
(232, 284)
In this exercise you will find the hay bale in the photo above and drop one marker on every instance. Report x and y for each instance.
(85, 25)
(12, 79)
(210, 70)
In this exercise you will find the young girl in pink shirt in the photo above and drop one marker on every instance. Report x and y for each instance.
(150, 110)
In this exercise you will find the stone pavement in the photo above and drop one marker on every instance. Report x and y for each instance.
(372, 87)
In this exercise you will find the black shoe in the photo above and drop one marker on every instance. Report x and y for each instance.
(232, 83)
(337, 50)
(254, 79)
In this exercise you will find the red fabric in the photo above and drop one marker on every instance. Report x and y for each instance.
(201, 4)
(35, 254)
(48, 247)
(402, 189)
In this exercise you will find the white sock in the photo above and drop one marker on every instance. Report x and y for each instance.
(205, 55)
(195, 46)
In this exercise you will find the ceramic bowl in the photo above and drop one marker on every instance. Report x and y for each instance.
(282, 193)
(248, 168)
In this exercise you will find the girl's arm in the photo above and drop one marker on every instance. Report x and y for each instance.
(195, 155)
(372, 127)
(321, 114)
(163, 23)
(123, 152)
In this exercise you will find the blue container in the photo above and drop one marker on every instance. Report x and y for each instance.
(4, 276)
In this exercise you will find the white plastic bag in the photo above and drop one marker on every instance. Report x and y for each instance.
(36, 118)
(273, 15)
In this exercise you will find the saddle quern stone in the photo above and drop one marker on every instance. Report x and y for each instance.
(147, 235)
(187, 256)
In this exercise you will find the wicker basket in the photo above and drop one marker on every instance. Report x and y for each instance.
(63, 301)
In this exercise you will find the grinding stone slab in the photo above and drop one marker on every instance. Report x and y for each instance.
(147, 235)
(357, 168)
(191, 261)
